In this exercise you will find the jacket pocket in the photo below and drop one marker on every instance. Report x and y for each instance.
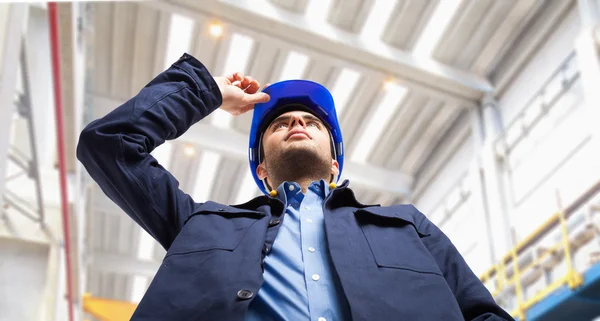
(395, 240)
(214, 227)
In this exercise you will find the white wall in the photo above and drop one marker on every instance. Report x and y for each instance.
(21, 232)
(556, 48)
(555, 158)
(444, 181)
(23, 268)
(448, 203)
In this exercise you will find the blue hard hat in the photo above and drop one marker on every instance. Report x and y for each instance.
(291, 95)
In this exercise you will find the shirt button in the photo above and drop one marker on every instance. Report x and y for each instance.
(274, 222)
(321, 319)
(245, 294)
(308, 220)
(307, 208)
(291, 188)
(315, 277)
(266, 249)
(311, 249)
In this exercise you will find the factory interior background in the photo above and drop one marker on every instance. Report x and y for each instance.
(491, 128)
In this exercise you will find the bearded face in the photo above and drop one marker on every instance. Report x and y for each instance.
(297, 147)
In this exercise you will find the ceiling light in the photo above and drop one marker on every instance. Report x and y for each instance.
(215, 29)
(294, 66)
(189, 150)
(389, 84)
(383, 113)
(180, 36)
(439, 20)
(343, 88)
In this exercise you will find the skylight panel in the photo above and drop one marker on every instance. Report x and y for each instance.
(247, 190)
(140, 283)
(145, 246)
(294, 66)
(441, 17)
(378, 19)
(145, 252)
(240, 49)
(206, 175)
(317, 11)
(163, 154)
(384, 111)
(180, 36)
(343, 88)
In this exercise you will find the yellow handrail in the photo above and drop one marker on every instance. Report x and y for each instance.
(572, 278)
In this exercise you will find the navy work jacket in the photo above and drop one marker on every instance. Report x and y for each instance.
(393, 263)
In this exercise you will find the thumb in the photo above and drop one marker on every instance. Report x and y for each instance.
(256, 98)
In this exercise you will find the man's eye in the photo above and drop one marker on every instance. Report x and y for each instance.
(280, 125)
(314, 124)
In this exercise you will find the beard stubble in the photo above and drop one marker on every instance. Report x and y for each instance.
(298, 163)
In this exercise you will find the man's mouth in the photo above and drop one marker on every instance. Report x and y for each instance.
(297, 134)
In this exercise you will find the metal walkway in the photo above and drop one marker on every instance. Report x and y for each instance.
(554, 273)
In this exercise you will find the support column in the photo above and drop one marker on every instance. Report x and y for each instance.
(12, 27)
(37, 47)
(477, 185)
(494, 192)
(587, 46)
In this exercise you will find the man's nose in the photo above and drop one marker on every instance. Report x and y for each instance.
(296, 120)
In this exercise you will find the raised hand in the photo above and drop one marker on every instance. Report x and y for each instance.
(240, 93)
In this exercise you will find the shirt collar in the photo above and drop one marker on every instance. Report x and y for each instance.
(288, 190)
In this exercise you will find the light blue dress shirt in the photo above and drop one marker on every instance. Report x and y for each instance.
(300, 282)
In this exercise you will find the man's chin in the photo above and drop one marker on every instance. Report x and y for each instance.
(297, 145)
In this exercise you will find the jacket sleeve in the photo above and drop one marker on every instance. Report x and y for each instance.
(475, 301)
(115, 149)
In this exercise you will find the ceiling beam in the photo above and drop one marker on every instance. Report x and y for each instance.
(234, 144)
(505, 34)
(418, 74)
(536, 33)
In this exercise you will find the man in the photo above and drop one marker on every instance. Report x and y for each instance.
(308, 250)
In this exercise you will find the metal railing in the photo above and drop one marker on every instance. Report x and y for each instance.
(526, 263)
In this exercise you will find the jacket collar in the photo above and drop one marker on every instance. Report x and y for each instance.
(343, 196)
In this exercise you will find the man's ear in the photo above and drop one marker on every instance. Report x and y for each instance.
(335, 168)
(261, 171)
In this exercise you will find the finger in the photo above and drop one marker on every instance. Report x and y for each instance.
(238, 84)
(247, 81)
(246, 109)
(253, 87)
(251, 99)
(233, 77)
(266, 85)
